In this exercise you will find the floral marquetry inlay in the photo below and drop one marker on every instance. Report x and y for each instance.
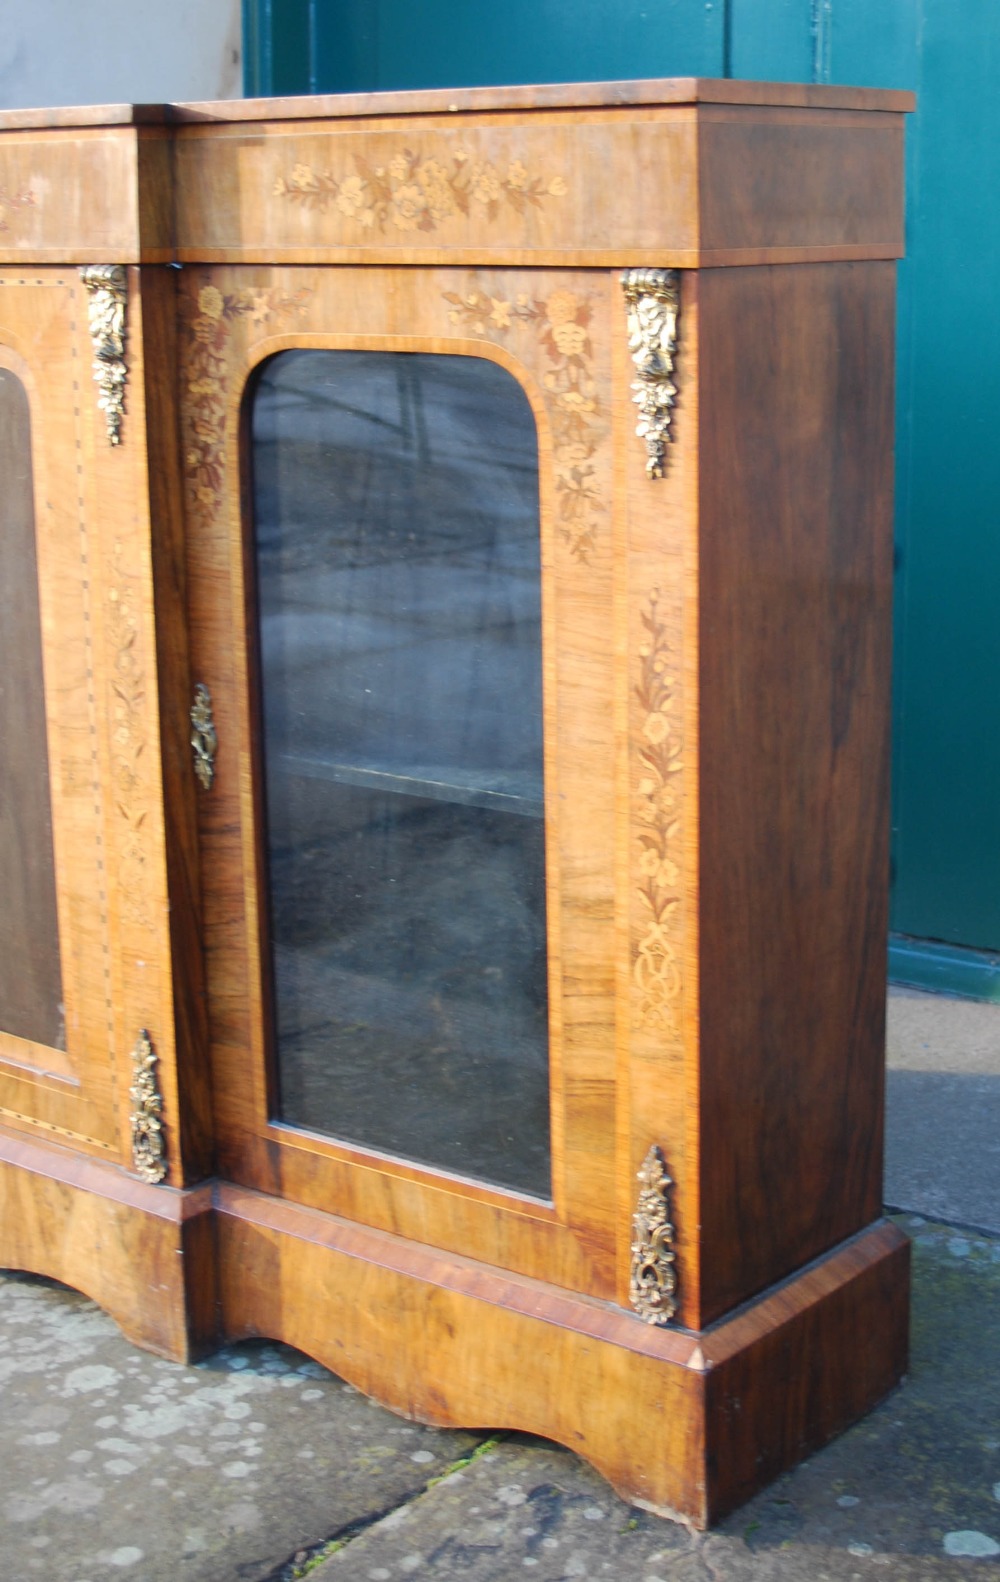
(561, 323)
(656, 966)
(128, 740)
(208, 316)
(412, 193)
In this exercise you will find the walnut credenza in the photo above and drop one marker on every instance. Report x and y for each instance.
(447, 554)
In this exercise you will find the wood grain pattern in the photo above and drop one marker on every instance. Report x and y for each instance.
(143, 1253)
(679, 186)
(463, 101)
(83, 192)
(459, 1343)
(808, 1368)
(155, 320)
(309, 198)
(116, 501)
(95, 579)
(848, 163)
(687, 178)
(72, 1094)
(670, 90)
(456, 1343)
(76, 115)
(795, 556)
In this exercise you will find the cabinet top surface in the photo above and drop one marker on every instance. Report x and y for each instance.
(684, 172)
(434, 101)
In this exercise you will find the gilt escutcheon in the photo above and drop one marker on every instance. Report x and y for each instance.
(149, 1153)
(653, 1283)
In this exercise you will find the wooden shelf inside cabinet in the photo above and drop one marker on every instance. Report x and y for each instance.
(472, 791)
(511, 559)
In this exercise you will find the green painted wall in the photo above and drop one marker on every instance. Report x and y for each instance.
(366, 44)
(947, 729)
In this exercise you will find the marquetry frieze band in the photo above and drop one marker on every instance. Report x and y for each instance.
(652, 305)
(204, 741)
(107, 285)
(149, 1153)
(653, 1282)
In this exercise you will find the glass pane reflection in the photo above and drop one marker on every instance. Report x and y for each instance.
(30, 966)
(395, 501)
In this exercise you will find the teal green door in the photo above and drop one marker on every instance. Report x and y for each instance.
(946, 812)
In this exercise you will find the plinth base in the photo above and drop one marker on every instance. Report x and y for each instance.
(686, 1425)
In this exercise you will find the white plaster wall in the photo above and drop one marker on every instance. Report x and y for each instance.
(118, 51)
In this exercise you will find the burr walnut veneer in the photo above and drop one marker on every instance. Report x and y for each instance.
(446, 545)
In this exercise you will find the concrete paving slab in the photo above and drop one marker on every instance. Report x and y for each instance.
(941, 1033)
(943, 1108)
(114, 1463)
(913, 1492)
(259, 1466)
(525, 1508)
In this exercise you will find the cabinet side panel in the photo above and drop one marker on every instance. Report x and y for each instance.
(789, 178)
(788, 1373)
(796, 560)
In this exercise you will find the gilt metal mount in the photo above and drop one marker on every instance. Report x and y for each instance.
(652, 305)
(653, 1284)
(108, 288)
(149, 1153)
(204, 741)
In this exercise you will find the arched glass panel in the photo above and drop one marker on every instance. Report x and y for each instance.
(395, 507)
(30, 970)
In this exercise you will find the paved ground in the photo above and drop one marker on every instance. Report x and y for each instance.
(943, 1120)
(259, 1466)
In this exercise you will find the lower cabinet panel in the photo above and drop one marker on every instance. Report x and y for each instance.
(682, 1424)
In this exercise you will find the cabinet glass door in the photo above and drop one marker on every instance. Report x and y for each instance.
(398, 589)
(31, 997)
